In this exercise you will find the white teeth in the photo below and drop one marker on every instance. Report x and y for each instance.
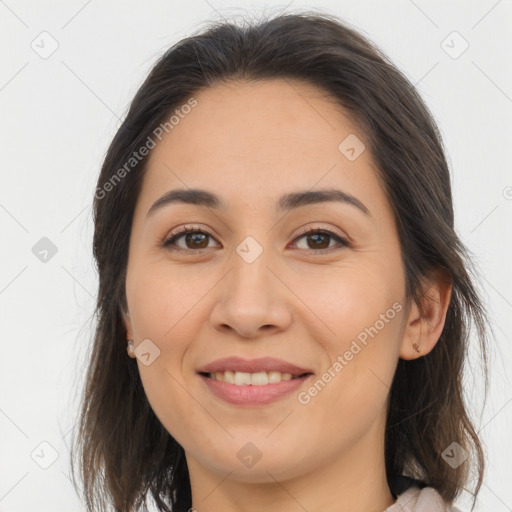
(259, 379)
(275, 377)
(255, 379)
(242, 379)
(228, 377)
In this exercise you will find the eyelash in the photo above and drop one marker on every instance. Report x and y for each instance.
(167, 243)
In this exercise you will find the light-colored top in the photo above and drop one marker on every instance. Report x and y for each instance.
(415, 499)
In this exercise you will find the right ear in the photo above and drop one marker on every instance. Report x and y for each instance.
(127, 325)
(129, 330)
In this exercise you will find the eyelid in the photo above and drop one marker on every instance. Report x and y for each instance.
(343, 240)
(177, 234)
(188, 228)
(311, 229)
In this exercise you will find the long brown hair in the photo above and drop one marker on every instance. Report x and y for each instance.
(124, 453)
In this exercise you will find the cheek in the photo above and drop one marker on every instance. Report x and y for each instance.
(346, 301)
(172, 403)
(359, 315)
(162, 310)
(160, 300)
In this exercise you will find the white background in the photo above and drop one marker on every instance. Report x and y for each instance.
(58, 116)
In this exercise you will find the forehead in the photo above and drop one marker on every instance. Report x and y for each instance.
(256, 140)
(275, 119)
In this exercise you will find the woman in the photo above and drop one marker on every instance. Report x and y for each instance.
(284, 305)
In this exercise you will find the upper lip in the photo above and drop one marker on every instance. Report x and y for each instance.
(262, 364)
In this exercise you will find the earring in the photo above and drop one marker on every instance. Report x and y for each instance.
(131, 350)
(416, 347)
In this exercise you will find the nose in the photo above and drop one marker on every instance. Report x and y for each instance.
(253, 301)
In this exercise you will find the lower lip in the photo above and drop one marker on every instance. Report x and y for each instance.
(251, 394)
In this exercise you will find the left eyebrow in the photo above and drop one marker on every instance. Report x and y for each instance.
(286, 202)
(297, 199)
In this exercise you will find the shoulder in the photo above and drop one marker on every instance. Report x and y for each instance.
(415, 499)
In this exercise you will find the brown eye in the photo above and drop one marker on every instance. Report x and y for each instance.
(194, 239)
(197, 240)
(319, 239)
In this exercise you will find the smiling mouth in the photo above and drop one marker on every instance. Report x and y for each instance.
(252, 379)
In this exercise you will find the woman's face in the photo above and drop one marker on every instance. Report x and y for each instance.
(250, 284)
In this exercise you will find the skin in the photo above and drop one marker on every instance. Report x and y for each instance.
(250, 143)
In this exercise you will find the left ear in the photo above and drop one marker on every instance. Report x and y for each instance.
(423, 328)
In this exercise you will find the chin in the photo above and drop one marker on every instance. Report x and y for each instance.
(262, 468)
